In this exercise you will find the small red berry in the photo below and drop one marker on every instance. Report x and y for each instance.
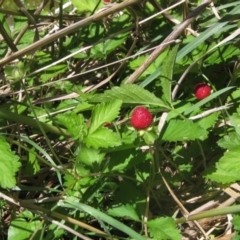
(141, 118)
(107, 124)
(202, 90)
(107, 1)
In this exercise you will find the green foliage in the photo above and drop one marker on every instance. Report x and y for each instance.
(226, 170)
(183, 130)
(86, 5)
(166, 231)
(103, 49)
(64, 118)
(23, 227)
(132, 94)
(152, 68)
(53, 71)
(9, 165)
(236, 224)
(100, 215)
(104, 112)
(74, 123)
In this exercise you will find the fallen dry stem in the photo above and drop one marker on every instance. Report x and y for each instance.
(175, 33)
(70, 29)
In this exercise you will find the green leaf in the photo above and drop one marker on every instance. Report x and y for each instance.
(104, 112)
(90, 157)
(102, 138)
(83, 106)
(236, 222)
(53, 71)
(70, 181)
(103, 217)
(208, 121)
(227, 169)
(129, 192)
(32, 166)
(163, 228)
(235, 121)
(44, 153)
(86, 5)
(126, 159)
(9, 165)
(126, 211)
(167, 72)
(215, 28)
(74, 123)
(134, 64)
(21, 229)
(183, 130)
(229, 141)
(130, 93)
(223, 52)
(104, 48)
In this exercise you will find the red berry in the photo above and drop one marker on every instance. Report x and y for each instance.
(202, 90)
(107, 124)
(107, 1)
(141, 118)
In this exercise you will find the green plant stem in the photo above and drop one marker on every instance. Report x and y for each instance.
(210, 213)
(32, 122)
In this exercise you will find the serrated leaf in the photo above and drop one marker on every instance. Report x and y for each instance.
(130, 93)
(235, 121)
(90, 156)
(227, 169)
(83, 106)
(167, 72)
(183, 130)
(235, 95)
(9, 165)
(163, 228)
(223, 52)
(126, 211)
(74, 123)
(208, 121)
(229, 141)
(102, 138)
(104, 112)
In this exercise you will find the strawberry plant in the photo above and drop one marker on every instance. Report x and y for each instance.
(119, 119)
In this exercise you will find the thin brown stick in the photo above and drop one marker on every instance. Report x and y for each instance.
(25, 28)
(70, 29)
(175, 33)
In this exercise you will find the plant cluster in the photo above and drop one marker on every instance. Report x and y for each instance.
(119, 119)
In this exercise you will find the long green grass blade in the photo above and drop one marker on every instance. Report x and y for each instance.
(104, 217)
